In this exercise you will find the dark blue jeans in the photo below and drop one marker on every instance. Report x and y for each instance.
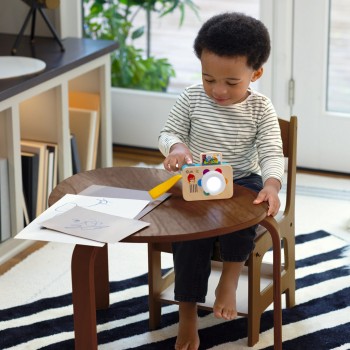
(192, 259)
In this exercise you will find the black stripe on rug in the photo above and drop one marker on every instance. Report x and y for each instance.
(65, 300)
(326, 339)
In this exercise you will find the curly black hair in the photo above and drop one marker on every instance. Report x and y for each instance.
(235, 34)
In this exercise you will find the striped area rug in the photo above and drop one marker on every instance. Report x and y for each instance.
(320, 320)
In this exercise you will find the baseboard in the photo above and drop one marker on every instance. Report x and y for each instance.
(323, 172)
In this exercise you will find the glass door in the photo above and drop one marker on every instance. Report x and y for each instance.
(321, 76)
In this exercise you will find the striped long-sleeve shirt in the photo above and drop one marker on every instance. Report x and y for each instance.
(247, 133)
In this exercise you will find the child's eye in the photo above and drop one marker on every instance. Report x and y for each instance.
(209, 81)
(231, 84)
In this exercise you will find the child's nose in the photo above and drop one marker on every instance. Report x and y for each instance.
(219, 89)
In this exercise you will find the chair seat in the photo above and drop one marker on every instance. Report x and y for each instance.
(167, 295)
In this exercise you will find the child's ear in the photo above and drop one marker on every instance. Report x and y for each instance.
(257, 74)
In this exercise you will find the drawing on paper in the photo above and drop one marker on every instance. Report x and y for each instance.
(67, 206)
(85, 225)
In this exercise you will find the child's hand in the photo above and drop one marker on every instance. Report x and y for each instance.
(269, 194)
(178, 156)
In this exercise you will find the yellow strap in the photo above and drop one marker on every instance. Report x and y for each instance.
(160, 189)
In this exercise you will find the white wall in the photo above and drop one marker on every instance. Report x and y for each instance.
(138, 116)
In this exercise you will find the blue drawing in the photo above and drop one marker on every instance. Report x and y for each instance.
(86, 225)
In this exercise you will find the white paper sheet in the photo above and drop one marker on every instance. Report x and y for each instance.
(128, 208)
(91, 224)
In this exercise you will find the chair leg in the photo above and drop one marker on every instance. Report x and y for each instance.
(290, 297)
(290, 290)
(289, 257)
(253, 329)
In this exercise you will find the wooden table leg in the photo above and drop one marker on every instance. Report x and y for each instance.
(102, 278)
(86, 261)
(271, 225)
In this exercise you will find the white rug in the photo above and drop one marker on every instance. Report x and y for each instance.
(46, 274)
(36, 310)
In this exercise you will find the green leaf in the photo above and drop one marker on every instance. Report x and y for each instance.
(138, 32)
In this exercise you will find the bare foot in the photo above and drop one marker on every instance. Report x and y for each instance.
(225, 303)
(187, 337)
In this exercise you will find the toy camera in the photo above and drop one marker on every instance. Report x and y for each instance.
(211, 179)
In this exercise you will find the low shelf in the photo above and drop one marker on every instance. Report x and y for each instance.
(36, 107)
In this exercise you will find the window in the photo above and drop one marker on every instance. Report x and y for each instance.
(338, 88)
(176, 43)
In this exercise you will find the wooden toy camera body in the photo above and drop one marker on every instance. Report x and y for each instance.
(211, 179)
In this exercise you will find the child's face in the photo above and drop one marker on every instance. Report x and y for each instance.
(226, 79)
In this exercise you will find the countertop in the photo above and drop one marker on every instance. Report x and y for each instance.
(77, 52)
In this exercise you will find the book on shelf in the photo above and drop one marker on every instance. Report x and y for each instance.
(26, 219)
(44, 179)
(5, 213)
(52, 171)
(30, 175)
(76, 167)
(83, 125)
(84, 111)
(38, 148)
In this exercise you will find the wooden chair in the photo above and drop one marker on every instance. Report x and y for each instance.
(255, 291)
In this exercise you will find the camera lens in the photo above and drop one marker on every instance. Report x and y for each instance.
(213, 182)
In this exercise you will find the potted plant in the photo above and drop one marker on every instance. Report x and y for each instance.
(139, 79)
(114, 20)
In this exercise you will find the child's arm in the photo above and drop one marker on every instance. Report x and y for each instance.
(178, 156)
(269, 194)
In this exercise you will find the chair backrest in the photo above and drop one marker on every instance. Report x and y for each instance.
(289, 139)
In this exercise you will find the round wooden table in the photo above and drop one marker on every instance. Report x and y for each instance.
(173, 220)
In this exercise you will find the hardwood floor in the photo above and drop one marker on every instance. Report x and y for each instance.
(130, 156)
(6, 266)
